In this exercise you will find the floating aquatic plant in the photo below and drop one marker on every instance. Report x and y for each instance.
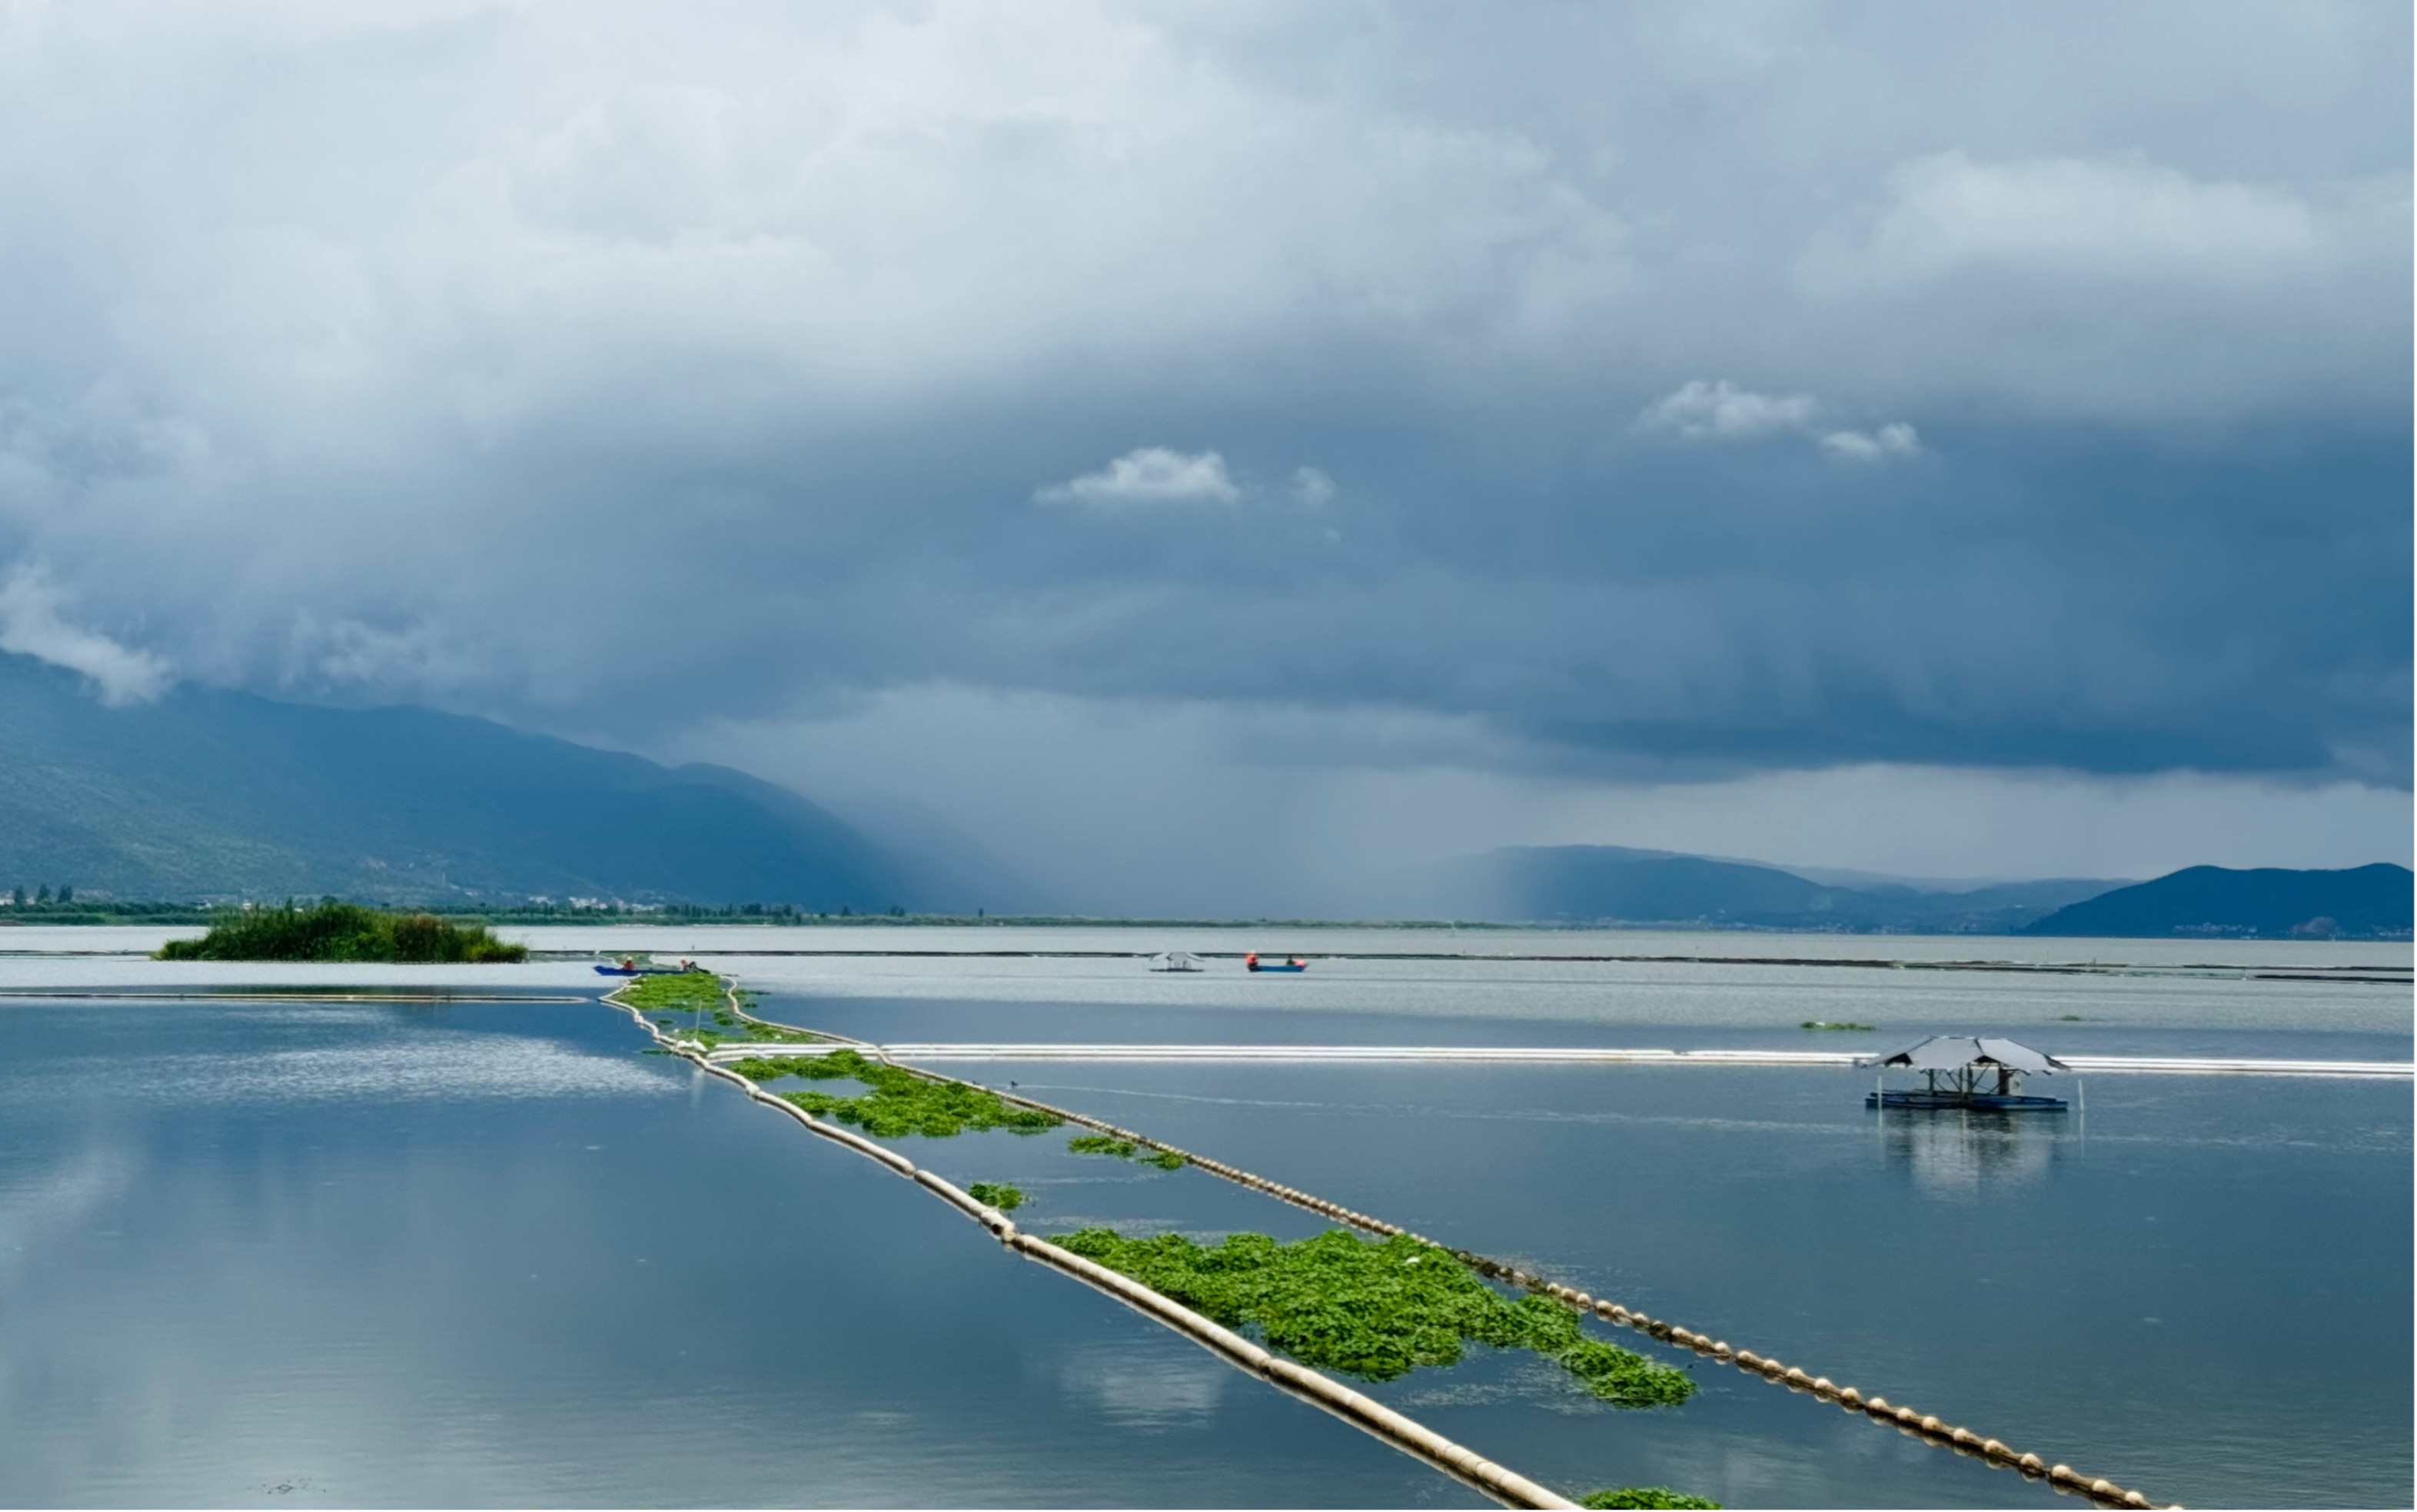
(1125, 1150)
(997, 1194)
(689, 992)
(1374, 1309)
(899, 1102)
(1822, 1023)
(1644, 1496)
(688, 1001)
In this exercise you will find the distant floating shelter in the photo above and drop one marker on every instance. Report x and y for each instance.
(1966, 1071)
(1175, 960)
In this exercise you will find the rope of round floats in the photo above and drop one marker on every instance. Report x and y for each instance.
(1373, 1417)
(1927, 1426)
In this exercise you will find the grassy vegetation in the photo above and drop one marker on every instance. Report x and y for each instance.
(1125, 1150)
(686, 992)
(1006, 1199)
(1823, 1023)
(1644, 1496)
(1373, 1310)
(899, 1102)
(687, 1003)
(330, 931)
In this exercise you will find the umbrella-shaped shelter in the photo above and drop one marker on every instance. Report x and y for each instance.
(1966, 1071)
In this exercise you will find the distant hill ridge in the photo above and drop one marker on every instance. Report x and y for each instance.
(214, 793)
(209, 794)
(2359, 904)
(1613, 884)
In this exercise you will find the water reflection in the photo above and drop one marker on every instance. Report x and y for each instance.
(1962, 1155)
(1154, 1394)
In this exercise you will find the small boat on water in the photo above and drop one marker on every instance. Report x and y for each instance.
(1961, 1071)
(1253, 962)
(1175, 960)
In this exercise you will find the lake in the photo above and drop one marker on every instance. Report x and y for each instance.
(490, 1253)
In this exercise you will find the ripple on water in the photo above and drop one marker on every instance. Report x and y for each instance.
(442, 1066)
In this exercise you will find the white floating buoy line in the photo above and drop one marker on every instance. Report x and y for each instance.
(1501, 1484)
(1496, 1482)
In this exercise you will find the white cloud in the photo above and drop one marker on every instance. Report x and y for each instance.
(1149, 475)
(2123, 215)
(30, 625)
(598, 282)
(1312, 487)
(1896, 439)
(1722, 411)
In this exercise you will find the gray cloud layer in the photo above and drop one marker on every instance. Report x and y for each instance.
(567, 361)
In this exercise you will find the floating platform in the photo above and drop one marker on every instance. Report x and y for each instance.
(1990, 1102)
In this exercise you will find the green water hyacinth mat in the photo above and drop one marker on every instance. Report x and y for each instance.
(685, 1003)
(899, 1103)
(1375, 1310)
(1646, 1496)
(1124, 1150)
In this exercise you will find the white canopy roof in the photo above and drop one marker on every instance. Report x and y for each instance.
(1952, 1053)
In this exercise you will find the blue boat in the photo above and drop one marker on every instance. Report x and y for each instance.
(643, 970)
(1253, 962)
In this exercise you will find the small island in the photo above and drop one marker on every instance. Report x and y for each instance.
(333, 930)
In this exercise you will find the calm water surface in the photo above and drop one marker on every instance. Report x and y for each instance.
(490, 1253)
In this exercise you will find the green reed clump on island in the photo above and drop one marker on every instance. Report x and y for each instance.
(1646, 1496)
(332, 930)
(1375, 1309)
(997, 1194)
(899, 1102)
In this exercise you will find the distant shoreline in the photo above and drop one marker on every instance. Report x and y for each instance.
(182, 916)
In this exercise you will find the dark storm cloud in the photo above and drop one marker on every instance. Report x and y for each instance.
(1654, 389)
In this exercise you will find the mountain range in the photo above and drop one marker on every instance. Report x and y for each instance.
(2361, 902)
(209, 794)
(1606, 884)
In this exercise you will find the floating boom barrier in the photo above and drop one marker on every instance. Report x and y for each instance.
(1371, 1417)
(1503, 1485)
(1548, 1055)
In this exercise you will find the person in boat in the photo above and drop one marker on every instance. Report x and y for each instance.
(1251, 962)
(687, 965)
(628, 963)
(1295, 960)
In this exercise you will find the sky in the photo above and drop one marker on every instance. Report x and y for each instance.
(1211, 457)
